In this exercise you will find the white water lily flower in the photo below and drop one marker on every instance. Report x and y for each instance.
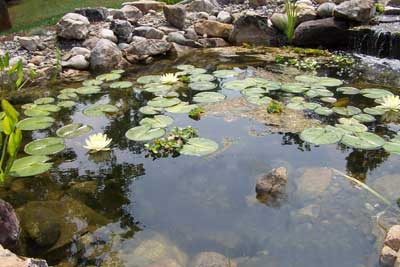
(350, 121)
(390, 103)
(97, 142)
(169, 78)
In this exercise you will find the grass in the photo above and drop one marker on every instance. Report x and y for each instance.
(30, 14)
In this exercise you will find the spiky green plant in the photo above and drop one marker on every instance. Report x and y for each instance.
(291, 13)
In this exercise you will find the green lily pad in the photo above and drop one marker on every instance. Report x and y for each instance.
(196, 71)
(99, 110)
(34, 112)
(185, 67)
(92, 83)
(239, 85)
(352, 128)
(319, 93)
(392, 147)
(162, 102)
(364, 117)
(158, 121)
(363, 140)
(182, 107)
(157, 88)
(44, 100)
(68, 90)
(148, 110)
(67, 96)
(35, 123)
(223, 74)
(258, 100)
(202, 86)
(88, 90)
(199, 147)
(30, 166)
(303, 105)
(46, 108)
(208, 97)
(308, 79)
(202, 78)
(347, 111)
(108, 77)
(375, 111)
(66, 104)
(329, 82)
(294, 88)
(375, 93)
(73, 130)
(348, 90)
(149, 79)
(323, 111)
(320, 136)
(144, 133)
(121, 85)
(253, 91)
(118, 71)
(45, 146)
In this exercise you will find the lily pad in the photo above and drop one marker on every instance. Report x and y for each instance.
(88, 90)
(329, 82)
(323, 111)
(202, 78)
(148, 110)
(158, 121)
(348, 90)
(363, 140)
(375, 93)
(258, 100)
(392, 147)
(149, 79)
(68, 90)
(308, 79)
(347, 111)
(223, 74)
(144, 133)
(45, 146)
(99, 110)
(185, 67)
(352, 128)
(30, 166)
(374, 111)
(294, 88)
(44, 100)
(73, 130)
(253, 91)
(208, 97)
(46, 107)
(199, 147)
(35, 123)
(319, 93)
(108, 77)
(118, 71)
(156, 88)
(239, 85)
(364, 117)
(162, 102)
(34, 112)
(67, 96)
(328, 99)
(320, 136)
(202, 86)
(195, 71)
(182, 107)
(66, 104)
(92, 83)
(121, 85)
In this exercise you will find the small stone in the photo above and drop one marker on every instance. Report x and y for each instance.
(257, 3)
(37, 60)
(213, 42)
(148, 32)
(130, 13)
(146, 5)
(272, 182)
(108, 34)
(77, 62)
(9, 259)
(80, 51)
(9, 225)
(356, 10)
(392, 239)
(30, 43)
(388, 257)
(224, 17)
(326, 10)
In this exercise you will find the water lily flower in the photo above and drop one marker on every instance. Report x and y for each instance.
(169, 78)
(390, 103)
(97, 142)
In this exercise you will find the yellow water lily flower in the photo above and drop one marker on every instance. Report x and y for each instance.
(390, 103)
(97, 142)
(169, 78)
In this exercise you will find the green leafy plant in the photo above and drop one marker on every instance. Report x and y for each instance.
(309, 64)
(196, 113)
(275, 107)
(10, 139)
(291, 13)
(172, 144)
(380, 8)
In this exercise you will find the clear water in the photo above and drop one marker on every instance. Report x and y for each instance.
(208, 203)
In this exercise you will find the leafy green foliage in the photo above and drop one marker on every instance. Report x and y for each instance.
(196, 113)
(275, 107)
(380, 8)
(290, 9)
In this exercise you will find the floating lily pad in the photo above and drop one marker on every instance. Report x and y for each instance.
(35, 123)
(364, 117)
(352, 128)
(239, 85)
(208, 97)
(109, 77)
(162, 102)
(392, 147)
(329, 82)
(44, 100)
(253, 91)
(47, 108)
(319, 93)
(144, 133)
(347, 111)
(157, 88)
(375, 93)
(320, 136)
(323, 111)
(374, 111)
(118, 71)
(303, 105)
(158, 121)
(328, 99)
(202, 86)
(195, 71)
(307, 79)
(363, 140)
(202, 78)
(148, 110)
(66, 104)
(92, 83)
(68, 90)
(258, 100)
(45, 146)
(73, 130)
(199, 147)
(34, 112)
(149, 79)
(348, 90)
(88, 90)
(30, 166)
(182, 107)
(67, 96)
(99, 110)
(121, 85)
(223, 74)
(185, 67)
(295, 88)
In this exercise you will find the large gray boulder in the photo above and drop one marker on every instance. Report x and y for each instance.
(326, 10)
(73, 26)
(130, 13)
(9, 225)
(254, 29)
(93, 14)
(122, 29)
(207, 6)
(77, 62)
(146, 5)
(356, 10)
(148, 32)
(141, 48)
(105, 56)
(326, 32)
(9, 259)
(175, 15)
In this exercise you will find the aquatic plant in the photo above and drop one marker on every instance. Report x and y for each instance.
(97, 142)
(380, 8)
(275, 107)
(10, 139)
(169, 78)
(308, 64)
(196, 113)
(390, 103)
(291, 13)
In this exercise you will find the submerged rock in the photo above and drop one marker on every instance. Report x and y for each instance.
(270, 187)
(9, 259)
(211, 259)
(388, 257)
(314, 182)
(9, 225)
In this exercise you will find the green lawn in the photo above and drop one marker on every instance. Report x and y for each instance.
(29, 14)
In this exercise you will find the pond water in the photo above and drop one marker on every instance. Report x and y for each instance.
(121, 208)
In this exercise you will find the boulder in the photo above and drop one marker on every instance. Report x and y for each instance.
(392, 239)
(224, 17)
(322, 32)
(273, 182)
(93, 14)
(211, 259)
(9, 259)
(203, 6)
(388, 257)
(257, 3)
(80, 51)
(148, 32)
(175, 15)
(326, 10)
(356, 10)
(180, 39)
(31, 44)
(108, 34)
(73, 26)
(213, 42)
(140, 48)
(305, 12)
(130, 13)
(209, 28)
(9, 225)
(122, 29)
(146, 5)
(178, 50)
(255, 30)
(279, 21)
(105, 56)
(77, 62)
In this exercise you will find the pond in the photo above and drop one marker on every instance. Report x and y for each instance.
(124, 207)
